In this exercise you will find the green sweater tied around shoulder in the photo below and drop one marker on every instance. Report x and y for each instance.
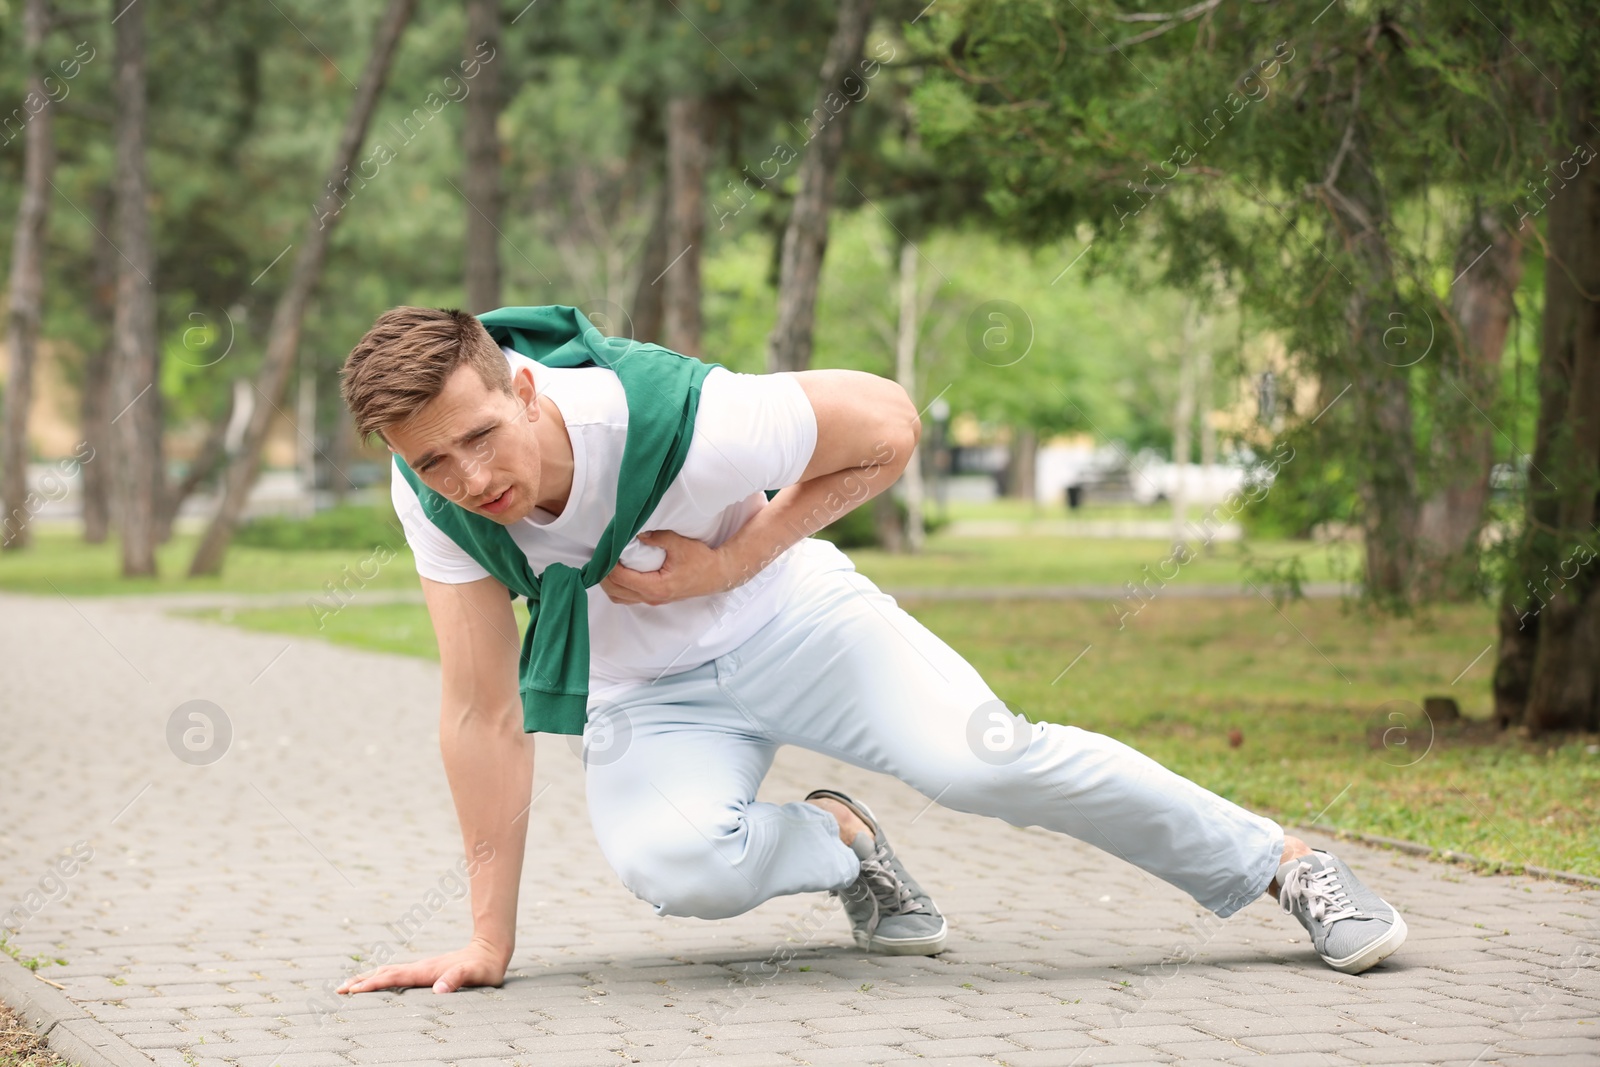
(663, 391)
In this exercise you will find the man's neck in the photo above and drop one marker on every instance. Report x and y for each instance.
(555, 457)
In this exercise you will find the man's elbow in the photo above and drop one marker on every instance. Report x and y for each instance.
(908, 422)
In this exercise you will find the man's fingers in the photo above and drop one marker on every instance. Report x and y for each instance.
(402, 977)
(362, 983)
(617, 593)
(451, 979)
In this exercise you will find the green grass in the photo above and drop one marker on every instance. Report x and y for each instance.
(1030, 561)
(401, 628)
(33, 963)
(1328, 703)
(59, 561)
(1028, 510)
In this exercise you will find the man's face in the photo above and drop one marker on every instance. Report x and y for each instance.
(476, 446)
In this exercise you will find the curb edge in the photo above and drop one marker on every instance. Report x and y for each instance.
(1446, 855)
(66, 1028)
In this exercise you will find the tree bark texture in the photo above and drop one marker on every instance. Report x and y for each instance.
(1463, 446)
(688, 154)
(27, 289)
(1547, 677)
(136, 390)
(805, 239)
(95, 400)
(481, 182)
(283, 335)
(905, 363)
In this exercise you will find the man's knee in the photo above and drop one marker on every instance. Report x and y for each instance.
(686, 876)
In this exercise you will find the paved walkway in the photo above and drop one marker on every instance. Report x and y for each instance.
(207, 907)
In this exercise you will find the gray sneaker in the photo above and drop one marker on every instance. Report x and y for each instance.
(1351, 927)
(888, 910)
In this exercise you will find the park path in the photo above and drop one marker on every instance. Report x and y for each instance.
(207, 907)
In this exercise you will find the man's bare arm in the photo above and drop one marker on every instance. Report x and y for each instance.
(489, 762)
(867, 428)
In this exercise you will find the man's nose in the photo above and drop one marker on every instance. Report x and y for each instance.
(476, 478)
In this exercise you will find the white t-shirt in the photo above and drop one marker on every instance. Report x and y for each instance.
(752, 432)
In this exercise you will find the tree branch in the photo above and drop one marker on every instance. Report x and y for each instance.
(1170, 20)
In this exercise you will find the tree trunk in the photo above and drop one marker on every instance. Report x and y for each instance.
(1020, 478)
(1548, 674)
(136, 377)
(1380, 393)
(805, 240)
(1205, 391)
(688, 152)
(340, 452)
(206, 461)
(1451, 518)
(305, 418)
(481, 182)
(1182, 428)
(283, 336)
(646, 314)
(886, 523)
(95, 398)
(905, 364)
(27, 289)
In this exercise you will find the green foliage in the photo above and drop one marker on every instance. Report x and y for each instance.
(1330, 171)
(1174, 174)
(348, 526)
(1010, 336)
(1315, 490)
(858, 529)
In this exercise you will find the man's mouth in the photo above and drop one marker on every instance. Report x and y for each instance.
(498, 504)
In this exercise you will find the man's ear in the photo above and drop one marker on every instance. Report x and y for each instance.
(527, 394)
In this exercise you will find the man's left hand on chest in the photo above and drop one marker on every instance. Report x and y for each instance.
(692, 568)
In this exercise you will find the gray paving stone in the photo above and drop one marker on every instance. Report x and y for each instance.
(1420, 1052)
(853, 1056)
(881, 1035)
(225, 903)
(295, 1059)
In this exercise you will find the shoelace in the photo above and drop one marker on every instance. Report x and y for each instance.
(1323, 893)
(889, 893)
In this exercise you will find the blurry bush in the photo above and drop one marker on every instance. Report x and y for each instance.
(859, 528)
(347, 526)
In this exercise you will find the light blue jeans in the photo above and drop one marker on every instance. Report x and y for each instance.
(673, 766)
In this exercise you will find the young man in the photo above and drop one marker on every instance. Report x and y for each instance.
(724, 631)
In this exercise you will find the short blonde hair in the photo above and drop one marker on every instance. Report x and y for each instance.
(404, 360)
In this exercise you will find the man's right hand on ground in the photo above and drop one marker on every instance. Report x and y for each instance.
(488, 760)
(475, 965)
